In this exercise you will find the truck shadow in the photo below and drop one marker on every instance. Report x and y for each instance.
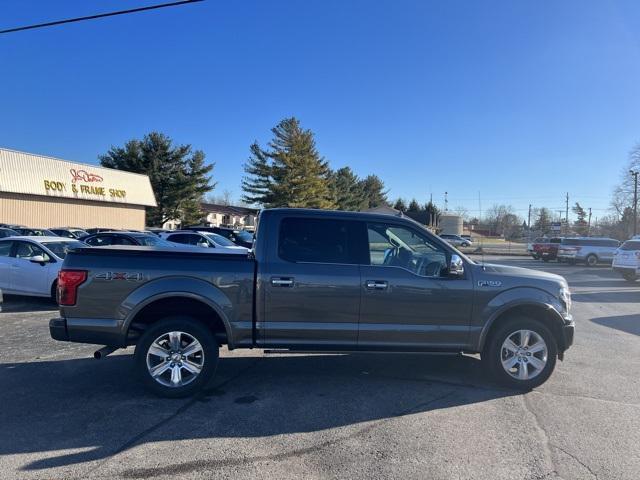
(21, 304)
(62, 413)
(624, 323)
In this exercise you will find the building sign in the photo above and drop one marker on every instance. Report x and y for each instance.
(37, 175)
(81, 184)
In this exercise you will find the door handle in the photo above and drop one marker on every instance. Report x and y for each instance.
(282, 282)
(377, 285)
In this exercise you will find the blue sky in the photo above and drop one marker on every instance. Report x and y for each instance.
(520, 101)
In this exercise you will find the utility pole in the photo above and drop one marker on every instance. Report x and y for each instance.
(566, 216)
(529, 219)
(589, 224)
(634, 174)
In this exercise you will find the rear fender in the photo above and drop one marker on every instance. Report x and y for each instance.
(183, 287)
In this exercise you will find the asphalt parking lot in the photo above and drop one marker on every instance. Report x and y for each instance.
(65, 415)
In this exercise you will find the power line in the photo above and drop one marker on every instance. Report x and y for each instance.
(99, 15)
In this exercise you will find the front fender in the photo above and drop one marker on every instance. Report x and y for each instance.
(510, 299)
(177, 286)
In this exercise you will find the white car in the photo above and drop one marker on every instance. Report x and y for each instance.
(204, 239)
(455, 240)
(30, 265)
(626, 259)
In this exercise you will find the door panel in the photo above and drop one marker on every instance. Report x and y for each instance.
(6, 261)
(312, 304)
(413, 311)
(408, 301)
(26, 276)
(312, 288)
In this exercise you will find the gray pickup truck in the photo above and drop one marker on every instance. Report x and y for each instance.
(314, 281)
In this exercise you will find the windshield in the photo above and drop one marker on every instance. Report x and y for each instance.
(78, 233)
(631, 245)
(219, 239)
(60, 249)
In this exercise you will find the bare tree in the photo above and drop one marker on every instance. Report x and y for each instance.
(502, 219)
(623, 192)
(462, 212)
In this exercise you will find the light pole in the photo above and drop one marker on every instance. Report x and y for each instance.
(634, 174)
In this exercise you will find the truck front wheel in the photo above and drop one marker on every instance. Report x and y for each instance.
(521, 353)
(176, 356)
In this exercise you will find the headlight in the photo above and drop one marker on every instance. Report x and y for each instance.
(565, 298)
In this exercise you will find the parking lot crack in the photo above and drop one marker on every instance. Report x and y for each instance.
(542, 433)
(577, 460)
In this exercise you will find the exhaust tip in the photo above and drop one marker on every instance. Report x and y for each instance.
(103, 352)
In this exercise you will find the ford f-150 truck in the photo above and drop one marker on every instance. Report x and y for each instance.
(315, 280)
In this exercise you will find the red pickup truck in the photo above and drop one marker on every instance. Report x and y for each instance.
(546, 248)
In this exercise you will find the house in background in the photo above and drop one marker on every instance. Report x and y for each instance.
(230, 216)
(216, 215)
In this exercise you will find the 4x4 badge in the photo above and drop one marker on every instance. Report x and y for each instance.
(131, 276)
(489, 283)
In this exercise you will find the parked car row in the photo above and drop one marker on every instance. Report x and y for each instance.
(588, 250)
(30, 261)
(624, 258)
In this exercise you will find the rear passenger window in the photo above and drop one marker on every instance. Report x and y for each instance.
(5, 248)
(179, 238)
(317, 241)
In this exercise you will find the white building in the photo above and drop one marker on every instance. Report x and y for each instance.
(45, 192)
(223, 216)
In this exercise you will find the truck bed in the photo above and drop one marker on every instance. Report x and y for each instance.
(124, 280)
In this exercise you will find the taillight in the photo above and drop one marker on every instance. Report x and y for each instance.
(68, 283)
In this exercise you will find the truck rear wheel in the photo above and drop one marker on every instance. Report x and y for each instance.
(176, 356)
(521, 353)
(630, 277)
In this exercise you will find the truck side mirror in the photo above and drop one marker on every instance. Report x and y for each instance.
(456, 266)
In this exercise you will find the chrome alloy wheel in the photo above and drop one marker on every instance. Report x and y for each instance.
(524, 354)
(175, 359)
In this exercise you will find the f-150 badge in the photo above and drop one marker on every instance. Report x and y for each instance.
(489, 283)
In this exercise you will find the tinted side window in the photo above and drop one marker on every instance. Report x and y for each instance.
(316, 240)
(5, 248)
(179, 238)
(118, 240)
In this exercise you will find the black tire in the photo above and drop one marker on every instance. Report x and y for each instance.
(208, 361)
(492, 354)
(54, 292)
(630, 277)
(545, 259)
(591, 260)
